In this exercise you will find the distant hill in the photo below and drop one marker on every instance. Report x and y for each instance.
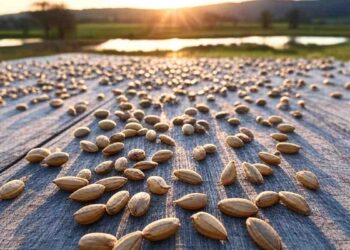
(244, 11)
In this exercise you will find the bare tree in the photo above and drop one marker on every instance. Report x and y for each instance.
(266, 19)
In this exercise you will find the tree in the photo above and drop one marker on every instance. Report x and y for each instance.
(54, 16)
(293, 18)
(266, 19)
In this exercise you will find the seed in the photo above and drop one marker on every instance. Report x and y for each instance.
(201, 107)
(107, 124)
(210, 148)
(247, 132)
(221, 114)
(162, 156)
(145, 165)
(288, 148)
(238, 207)
(80, 107)
(113, 148)
(101, 113)
(275, 120)
(136, 154)
(138, 114)
(134, 174)
(234, 142)
(167, 140)
(117, 202)
(199, 153)
(243, 137)
(188, 176)
(267, 199)
(131, 241)
(161, 127)
(241, 109)
(112, 183)
(279, 137)
(139, 204)
(22, 106)
(269, 158)
(102, 141)
(142, 131)
(101, 241)
(88, 193)
(229, 174)
(152, 119)
(263, 169)
(128, 133)
(263, 234)
(81, 132)
(295, 202)
(187, 129)
(122, 115)
(85, 174)
(191, 111)
(193, 201)
(56, 103)
(121, 164)
(178, 120)
(157, 185)
(133, 125)
(70, 183)
(233, 121)
(161, 229)
(308, 179)
(56, 159)
(260, 102)
(11, 189)
(252, 173)
(37, 154)
(104, 167)
(204, 124)
(209, 226)
(286, 128)
(117, 137)
(151, 135)
(89, 214)
(88, 146)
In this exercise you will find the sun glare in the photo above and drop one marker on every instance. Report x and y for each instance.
(172, 4)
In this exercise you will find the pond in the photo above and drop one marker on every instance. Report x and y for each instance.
(176, 44)
(12, 42)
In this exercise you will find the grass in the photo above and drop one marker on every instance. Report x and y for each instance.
(138, 31)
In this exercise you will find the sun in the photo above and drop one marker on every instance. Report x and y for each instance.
(172, 4)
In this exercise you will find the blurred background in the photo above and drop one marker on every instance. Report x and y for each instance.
(210, 28)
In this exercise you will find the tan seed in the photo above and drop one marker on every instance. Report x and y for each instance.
(11, 189)
(85, 174)
(151, 135)
(162, 156)
(237, 207)
(167, 140)
(263, 234)
(252, 173)
(145, 165)
(70, 183)
(207, 225)
(161, 229)
(151, 119)
(113, 148)
(234, 142)
(188, 176)
(88, 193)
(199, 153)
(37, 154)
(81, 132)
(131, 241)
(275, 120)
(102, 141)
(269, 158)
(100, 241)
(107, 124)
(139, 204)
(136, 154)
(133, 125)
(267, 199)
(161, 127)
(210, 148)
(101, 113)
(157, 185)
(288, 148)
(286, 128)
(193, 201)
(56, 159)
(263, 169)
(104, 167)
(121, 164)
(117, 137)
(88, 146)
(112, 183)
(187, 129)
(241, 109)
(134, 174)
(247, 132)
(89, 214)
(117, 202)
(279, 137)
(308, 179)
(229, 174)
(294, 202)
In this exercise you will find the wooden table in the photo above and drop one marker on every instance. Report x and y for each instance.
(41, 217)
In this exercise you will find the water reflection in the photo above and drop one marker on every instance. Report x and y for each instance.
(18, 42)
(176, 44)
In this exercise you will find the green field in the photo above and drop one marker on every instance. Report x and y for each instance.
(138, 31)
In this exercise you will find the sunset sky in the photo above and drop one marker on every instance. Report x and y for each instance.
(13, 6)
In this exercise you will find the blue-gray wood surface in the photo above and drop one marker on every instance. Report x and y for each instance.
(41, 217)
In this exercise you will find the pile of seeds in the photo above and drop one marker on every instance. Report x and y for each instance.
(195, 120)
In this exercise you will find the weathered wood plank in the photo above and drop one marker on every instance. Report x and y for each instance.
(41, 217)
